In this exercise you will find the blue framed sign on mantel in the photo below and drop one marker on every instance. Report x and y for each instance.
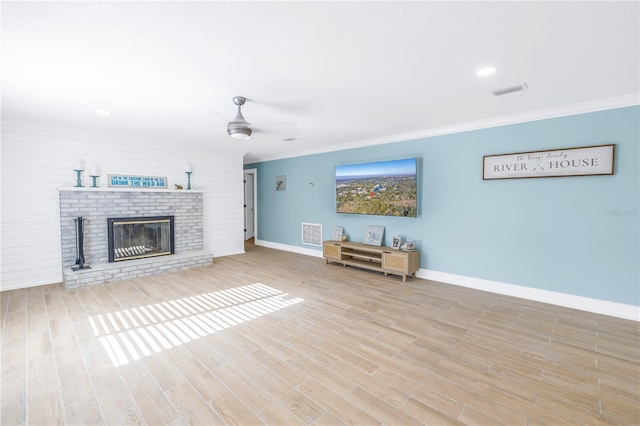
(127, 181)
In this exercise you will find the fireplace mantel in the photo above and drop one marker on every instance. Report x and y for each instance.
(107, 189)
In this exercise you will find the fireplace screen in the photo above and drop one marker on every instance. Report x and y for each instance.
(138, 237)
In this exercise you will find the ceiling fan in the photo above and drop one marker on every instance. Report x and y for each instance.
(239, 128)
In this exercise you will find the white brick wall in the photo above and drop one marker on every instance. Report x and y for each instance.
(37, 161)
(96, 206)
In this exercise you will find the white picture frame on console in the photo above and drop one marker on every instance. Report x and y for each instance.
(396, 242)
(373, 235)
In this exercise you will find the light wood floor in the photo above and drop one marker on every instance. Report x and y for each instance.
(279, 338)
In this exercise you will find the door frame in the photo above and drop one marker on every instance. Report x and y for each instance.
(254, 173)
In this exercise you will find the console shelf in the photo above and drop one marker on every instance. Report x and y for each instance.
(383, 259)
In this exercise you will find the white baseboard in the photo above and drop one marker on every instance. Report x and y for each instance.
(287, 247)
(5, 287)
(618, 310)
(597, 306)
(227, 253)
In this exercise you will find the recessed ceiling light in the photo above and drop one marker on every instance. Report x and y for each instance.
(103, 113)
(482, 72)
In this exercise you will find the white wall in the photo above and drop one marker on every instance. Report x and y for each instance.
(36, 162)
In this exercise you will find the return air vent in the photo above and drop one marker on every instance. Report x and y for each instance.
(312, 234)
(511, 89)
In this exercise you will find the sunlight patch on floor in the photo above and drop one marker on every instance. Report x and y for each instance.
(138, 332)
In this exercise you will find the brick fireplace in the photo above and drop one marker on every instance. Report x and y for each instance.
(97, 205)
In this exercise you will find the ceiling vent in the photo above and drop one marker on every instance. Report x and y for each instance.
(511, 89)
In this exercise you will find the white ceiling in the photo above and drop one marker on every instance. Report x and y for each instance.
(330, 74)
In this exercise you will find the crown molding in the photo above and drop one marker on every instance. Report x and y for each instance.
(506, 120)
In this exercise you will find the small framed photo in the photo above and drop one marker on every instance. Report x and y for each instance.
(396, 242)
(337, 234)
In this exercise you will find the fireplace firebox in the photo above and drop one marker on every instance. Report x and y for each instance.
(139, 237)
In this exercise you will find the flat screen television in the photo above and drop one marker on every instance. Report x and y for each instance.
(383, 188)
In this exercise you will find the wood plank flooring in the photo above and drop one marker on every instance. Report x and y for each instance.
(271, 337)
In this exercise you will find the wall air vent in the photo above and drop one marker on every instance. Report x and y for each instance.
(511, 89)
(312, 234)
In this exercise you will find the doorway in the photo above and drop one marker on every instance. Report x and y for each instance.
(250, 204)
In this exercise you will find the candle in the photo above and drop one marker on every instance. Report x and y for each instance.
(78, 165)
(188, 168)
(94, 171)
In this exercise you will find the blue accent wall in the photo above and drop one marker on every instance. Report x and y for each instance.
(573, 235)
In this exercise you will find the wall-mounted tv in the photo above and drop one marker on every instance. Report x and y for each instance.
(383, 188)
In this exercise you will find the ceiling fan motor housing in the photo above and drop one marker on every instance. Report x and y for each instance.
(239, 128)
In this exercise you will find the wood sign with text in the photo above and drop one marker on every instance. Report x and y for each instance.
(581, 161)
(127, 181)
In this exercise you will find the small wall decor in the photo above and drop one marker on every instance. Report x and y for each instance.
(126, 181)
(373, 235)
(580, 161)
(281, 183)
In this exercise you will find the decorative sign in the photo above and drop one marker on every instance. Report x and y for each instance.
(582, 161)
(125, 181)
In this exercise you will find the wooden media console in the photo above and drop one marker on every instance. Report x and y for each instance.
(383, 259)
